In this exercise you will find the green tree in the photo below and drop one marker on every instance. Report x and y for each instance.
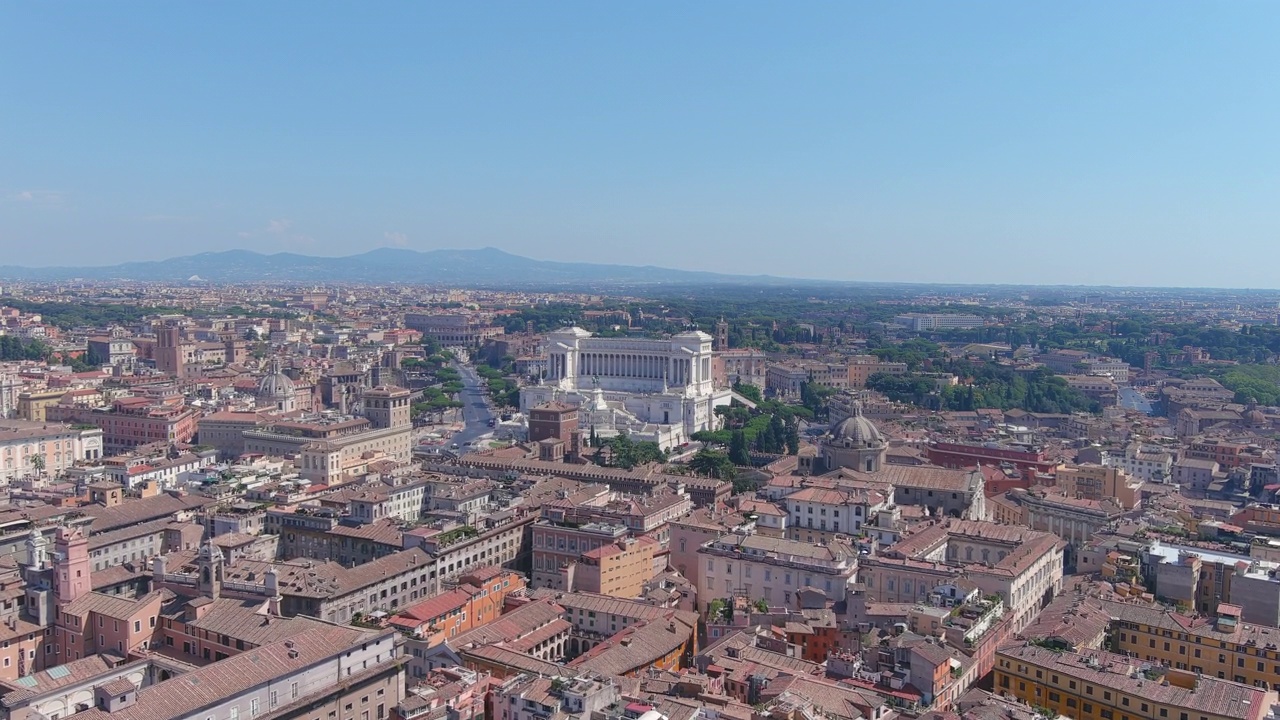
(624, 451)
(713, 463)
(738, 452)
(777, 434)
(814, 397)
(750, 392)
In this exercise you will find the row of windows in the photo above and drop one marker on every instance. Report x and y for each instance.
(1086, 707)
(768, 574)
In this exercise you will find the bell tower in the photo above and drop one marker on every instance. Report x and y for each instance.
(37, 550)
(71, 565)
(209, 567)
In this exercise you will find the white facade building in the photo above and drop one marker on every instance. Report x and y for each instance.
(1149, 463)
(1117, 370)
(10, 386)
(774, 569)
(57, 446)
(657, 390)
(922, 322)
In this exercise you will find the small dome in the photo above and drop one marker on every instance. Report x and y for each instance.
(856, 430)
(1255, 417)
(275, 385)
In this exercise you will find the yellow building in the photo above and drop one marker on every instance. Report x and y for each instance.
(618, 569)
(1222, 647)
(32, 405)
(1098, 482)
(1097, 685)
(1001, 509)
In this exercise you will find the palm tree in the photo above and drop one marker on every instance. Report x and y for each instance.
(37, 462)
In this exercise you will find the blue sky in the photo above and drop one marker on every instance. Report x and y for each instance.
(1093, 142)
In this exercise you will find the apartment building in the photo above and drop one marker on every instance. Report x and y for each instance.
(502, 542)
(140, 542)
(132, 421)
(621, 569)
(774, 569)
(557, 546)
(1099, 482)
(1098, 685)
(640, 514)
(1219, 645)
(533, 697)
(33, 403)
(163, 472)
(1195, 475)
(597, 619)
(323, 590)
(476, 600)
(691, 532)
(311, 675)
(1200, 578)
(31, 448)
(1226, 454)
(861, 367)
(1023, 566)
(817, 514)
(1148, 463)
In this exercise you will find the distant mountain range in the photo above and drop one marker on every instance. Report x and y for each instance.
(487, 267)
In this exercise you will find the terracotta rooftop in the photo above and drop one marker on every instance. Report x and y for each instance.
(204, 687)
(44, 681)
(1109, 670)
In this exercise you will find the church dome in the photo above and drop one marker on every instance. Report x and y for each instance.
(856, 431)
(1255, 417)
(275, 385)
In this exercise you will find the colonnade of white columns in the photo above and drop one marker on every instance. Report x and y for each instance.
(678, 371)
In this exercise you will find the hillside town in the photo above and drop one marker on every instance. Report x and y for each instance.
(360, 502)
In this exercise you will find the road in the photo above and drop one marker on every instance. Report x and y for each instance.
(475, 408)
(1132, 399)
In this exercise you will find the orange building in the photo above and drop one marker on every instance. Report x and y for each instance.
(816, 640)
(617, 569)
(1226, 454)
(476, 601)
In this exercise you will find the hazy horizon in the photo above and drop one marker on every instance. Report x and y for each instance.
(1090, 144)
